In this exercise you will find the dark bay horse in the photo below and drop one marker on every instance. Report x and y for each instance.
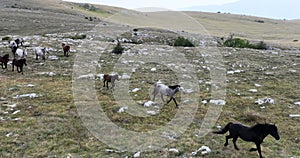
(4, 60)
(19, 64)
(110, 78)
(66, 49)
(256, 134)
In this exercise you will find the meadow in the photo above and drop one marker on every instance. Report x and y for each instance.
(42, 113)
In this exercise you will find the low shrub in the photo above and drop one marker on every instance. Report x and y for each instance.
(118, 49)
(243, 43)
(80, 36)
(181, 41)
(6, 38)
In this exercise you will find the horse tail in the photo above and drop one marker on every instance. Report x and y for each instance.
(224, 130)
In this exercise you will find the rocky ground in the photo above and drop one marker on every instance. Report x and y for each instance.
(41, 111)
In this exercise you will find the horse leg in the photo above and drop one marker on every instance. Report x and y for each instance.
(234, 143)
(13, 67)
(162, 98)
(226, 142)
(258, 149)
(175, 102)
(36, 57)
(21, 69)
(112, 85)
(169, 100)
(154, 95)
(104, 83)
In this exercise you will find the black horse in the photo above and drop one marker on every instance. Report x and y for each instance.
(4, 60)
(256, 134)
(19, 64)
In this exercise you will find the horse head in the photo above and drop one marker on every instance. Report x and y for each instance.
(23, 61)
(45, 51)
(274, 132)
(13, 44)
(117, 77)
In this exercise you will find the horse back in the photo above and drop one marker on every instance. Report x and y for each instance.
(107, 77)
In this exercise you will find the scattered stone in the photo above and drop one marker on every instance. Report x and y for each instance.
(204, 150)
(218, 102)
(17, 111)
(253, 90)
(265, 101)
(138, 154)
(294, 115)
(135, 90)
(174, 150)
(148, 103)
(125, 76)
(122, 109)
(153, 69)
(151, 112)
(31, 95)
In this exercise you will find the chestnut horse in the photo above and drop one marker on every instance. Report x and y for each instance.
(66, 49)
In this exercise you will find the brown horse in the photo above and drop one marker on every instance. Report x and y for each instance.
(19, 64)
(110, 78)
(4, 60)
(66, 49)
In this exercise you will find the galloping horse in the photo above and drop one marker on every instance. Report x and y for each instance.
(163, 89)
(256, 134)
(110, 78)
(4, 60)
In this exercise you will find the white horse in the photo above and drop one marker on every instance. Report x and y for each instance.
(165, 90)
(21, 53)
(13, 46)
(40, 52)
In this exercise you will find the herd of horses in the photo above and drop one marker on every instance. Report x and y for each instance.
(20, 54)
(256, 133)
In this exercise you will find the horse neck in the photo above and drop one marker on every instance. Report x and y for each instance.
(261, 129)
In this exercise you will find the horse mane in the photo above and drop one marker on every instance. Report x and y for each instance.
(6, 56)
(260, 127)
(174, 86)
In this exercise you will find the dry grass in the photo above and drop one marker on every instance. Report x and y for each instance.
(50, 126)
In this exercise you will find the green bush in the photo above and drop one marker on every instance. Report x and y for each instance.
(260, 45)
(243, 43)
(118, 49)
(181, 41)
(6, 38)
(81, 36)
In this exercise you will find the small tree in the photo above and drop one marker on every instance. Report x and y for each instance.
(118, 49)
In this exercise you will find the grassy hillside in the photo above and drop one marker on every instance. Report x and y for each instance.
(41, 111)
